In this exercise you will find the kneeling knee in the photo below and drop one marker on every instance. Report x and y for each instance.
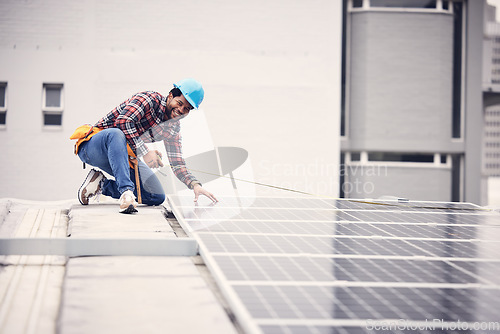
(156, 199)
(161, 199)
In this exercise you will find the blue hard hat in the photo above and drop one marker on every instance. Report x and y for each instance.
(192, 91)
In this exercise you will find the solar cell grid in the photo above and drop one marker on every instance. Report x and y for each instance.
(275, 227)
(425, 207)
(368, 303)
(257, 202)
(403, 230)
(427, 231)
(316, 330)
(359, 246)
(265, 214)
(272, 214)
(327, 270)
(343, 228)
(375, 247)
(323, 265)
(428, 204)
(418, 217)
(458, 248)
(420, 328)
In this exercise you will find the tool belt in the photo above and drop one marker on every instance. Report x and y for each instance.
(83, 134)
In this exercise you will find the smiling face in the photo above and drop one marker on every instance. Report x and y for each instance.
(177, 106)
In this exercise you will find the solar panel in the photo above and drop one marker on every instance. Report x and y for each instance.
(327, 270)
(316, 265)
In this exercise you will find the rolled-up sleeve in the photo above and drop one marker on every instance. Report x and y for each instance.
(173, 147)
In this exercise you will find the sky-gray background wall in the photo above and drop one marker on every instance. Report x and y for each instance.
(271, 72)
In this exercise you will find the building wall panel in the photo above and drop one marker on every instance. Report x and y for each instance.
(401, 80)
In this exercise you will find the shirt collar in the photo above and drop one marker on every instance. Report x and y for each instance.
(163, 104)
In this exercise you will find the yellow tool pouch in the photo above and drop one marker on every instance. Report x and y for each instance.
(84, 132)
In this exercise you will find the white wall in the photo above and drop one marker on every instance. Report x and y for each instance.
(401, 81)
(271, 72)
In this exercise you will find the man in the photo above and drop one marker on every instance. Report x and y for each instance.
(146, 116)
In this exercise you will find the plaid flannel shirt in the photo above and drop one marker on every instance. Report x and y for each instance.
(143, 118)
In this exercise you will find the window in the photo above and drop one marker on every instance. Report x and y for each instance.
(457, 177)
(418, 5)
(342, 175)
(53, 104)
(400, 157)
(458, 35)
(357, 3)
(402, 4)
(343, 74)
(3, 103)
(355, 156)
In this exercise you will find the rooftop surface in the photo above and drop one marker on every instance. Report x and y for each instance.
(101, 294)
(265, 265)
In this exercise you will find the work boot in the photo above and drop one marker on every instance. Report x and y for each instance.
(127, 202)
(91, 186)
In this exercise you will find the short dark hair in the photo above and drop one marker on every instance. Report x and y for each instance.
(176, 92)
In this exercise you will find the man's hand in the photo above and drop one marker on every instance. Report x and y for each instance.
(199, 190)
(153, 159)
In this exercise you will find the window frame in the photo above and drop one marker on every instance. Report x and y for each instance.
(438, 160)
(366, 5)
(3, 110)
(47, 110)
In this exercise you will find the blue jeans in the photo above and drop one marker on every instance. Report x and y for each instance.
(107, 150)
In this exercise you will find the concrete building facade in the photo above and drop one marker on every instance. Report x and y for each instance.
(271, 78)
(409, 110)
(491, 86)
(412, 113)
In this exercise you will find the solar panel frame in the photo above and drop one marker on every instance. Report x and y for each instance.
(323, 203)
(380, 235)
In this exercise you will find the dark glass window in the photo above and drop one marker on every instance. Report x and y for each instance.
(355, 156)
(404, 4)
(343, 71)
(3, 89)
(52, 119)
(400, 157)
(456, 179)
(3, 103)
(457, 71)
(342, 174)
(357, 3)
